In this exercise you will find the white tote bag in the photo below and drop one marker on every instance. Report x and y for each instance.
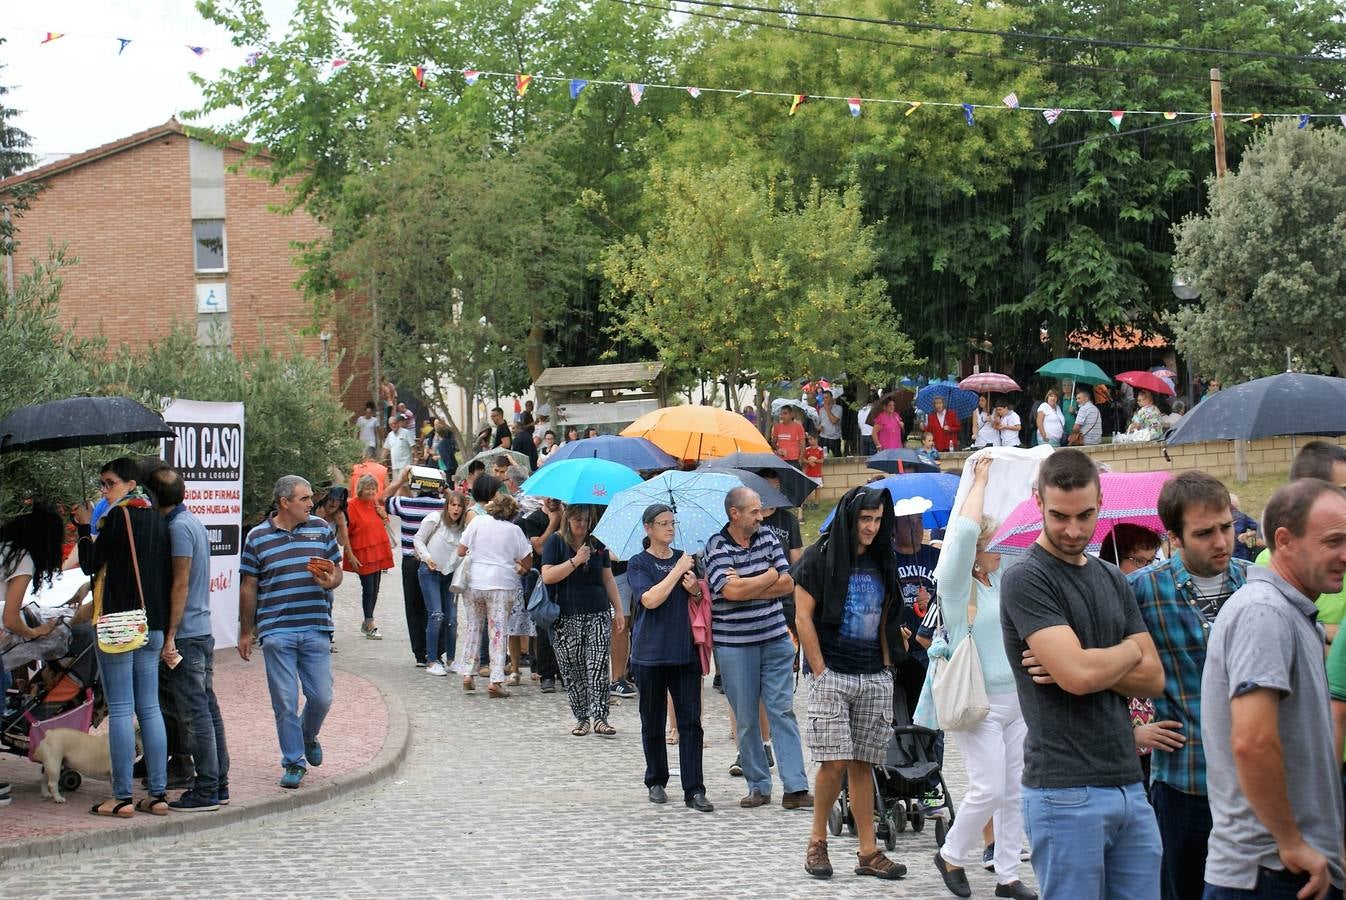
(959, 687)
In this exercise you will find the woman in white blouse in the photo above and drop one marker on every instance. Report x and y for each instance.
(1051, 420)
(436, 545)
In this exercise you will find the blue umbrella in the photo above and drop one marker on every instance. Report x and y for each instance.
(939, 489)
(901, 460)
(958, 401)
(583, 480)
(633, 452)
(697, 499)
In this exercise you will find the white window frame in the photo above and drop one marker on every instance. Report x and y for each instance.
(224, 247)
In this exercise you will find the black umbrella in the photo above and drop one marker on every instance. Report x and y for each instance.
(1291, 403)
(80, 422)
(900, 461)
(793, 483)
(772, 498)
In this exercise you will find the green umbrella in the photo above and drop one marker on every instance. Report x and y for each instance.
(1075, 369)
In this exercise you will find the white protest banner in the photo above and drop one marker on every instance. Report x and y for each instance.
(207, 448)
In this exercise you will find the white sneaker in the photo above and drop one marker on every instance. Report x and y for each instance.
(435, 668)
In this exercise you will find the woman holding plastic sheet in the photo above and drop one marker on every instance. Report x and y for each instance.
(130, 560)
(993, 749)
(664, 657)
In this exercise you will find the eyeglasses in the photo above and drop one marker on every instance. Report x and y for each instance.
(668, 523)
(107, 484)
(1141, 561)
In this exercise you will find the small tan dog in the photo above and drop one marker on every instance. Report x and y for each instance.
(87, 754)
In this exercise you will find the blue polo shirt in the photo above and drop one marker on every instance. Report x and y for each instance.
(288, 599)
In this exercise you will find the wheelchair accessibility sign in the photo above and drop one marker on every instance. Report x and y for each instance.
(212, 297)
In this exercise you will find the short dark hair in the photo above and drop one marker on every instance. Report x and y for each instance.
(1124, 539)
(1189, 491)
(485, 488)
(476, 465)
(124, 467)
(496, 409)
(1289, 507)
(1068, 469)
(369, 404)
(167, 484)
(1316, 459)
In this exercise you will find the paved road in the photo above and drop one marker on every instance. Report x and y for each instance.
(496, 799)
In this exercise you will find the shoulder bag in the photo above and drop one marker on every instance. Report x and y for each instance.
(121, 632)
(461, 583)
(542, 607)
(959, 687)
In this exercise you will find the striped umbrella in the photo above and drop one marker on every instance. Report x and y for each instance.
(989, 383)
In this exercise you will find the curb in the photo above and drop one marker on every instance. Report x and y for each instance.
(385, 763)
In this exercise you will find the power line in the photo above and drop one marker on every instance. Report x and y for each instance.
(1020, 35)
(953, 51)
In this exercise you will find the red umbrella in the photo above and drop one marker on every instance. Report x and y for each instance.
(989, 382)
(1147, 381)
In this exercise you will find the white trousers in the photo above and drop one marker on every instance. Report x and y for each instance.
(994, 754)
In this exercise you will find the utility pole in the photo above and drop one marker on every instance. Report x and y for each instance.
(378, 360)
(1221, 168)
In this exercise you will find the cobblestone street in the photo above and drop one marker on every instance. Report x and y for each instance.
(496, 798)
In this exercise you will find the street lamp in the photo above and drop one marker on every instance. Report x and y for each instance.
(1187, 294)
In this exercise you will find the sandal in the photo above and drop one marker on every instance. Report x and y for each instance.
(121, 809)
(496, 691)
(580, 730)
(880, 866)
(514, 679)
(816, 862)
(155, 805)
(469, 684)
(672, 739)
(604, 729)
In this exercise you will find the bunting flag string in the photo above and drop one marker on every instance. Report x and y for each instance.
(1010, 103)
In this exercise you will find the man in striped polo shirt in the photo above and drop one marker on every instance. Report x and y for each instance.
(748, 573)
(289, 563)
(411, 511)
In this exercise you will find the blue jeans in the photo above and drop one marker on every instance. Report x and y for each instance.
(296, 659)
(131, 686)
(1184, 827)
(441, 609)
(764, 673)
(1272, 884)
(193, 688)
(1093, 842)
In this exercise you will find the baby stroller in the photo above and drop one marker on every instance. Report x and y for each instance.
(909, 788)
(61, 692)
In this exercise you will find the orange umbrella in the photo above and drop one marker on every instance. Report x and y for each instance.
(698, 432)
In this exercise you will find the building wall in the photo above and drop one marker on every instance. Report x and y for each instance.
(1268, 456)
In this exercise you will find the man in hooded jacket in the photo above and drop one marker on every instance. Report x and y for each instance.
(846, 598)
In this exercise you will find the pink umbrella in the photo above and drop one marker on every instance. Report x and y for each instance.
(1147, 381)
(989, 382)
(1131, 497)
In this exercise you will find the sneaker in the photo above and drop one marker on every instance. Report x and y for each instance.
(549, 685)
(770, 760)
(223, 795)
(313, 753)
(988, 857)
(190, 801)
(4, 793)
(621, 689)
(737, 768)
(421, 664)
(374, 634)
(293, 775)
(436, 668)
(717, 683)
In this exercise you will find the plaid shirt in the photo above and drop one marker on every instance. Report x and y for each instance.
(1168, 603)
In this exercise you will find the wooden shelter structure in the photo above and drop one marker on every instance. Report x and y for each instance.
(613, 395)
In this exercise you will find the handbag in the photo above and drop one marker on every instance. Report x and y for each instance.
(461, 583)
(543, 610)
(121, 632)
(959, 687)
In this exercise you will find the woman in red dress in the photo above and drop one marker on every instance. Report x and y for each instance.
(943, 426)
(371, 552)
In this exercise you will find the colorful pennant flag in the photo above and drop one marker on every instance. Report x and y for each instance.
(797, 102)
(1051, 115)
(199, 51)
(122, 42)
(338, 63)
(1116, 118)
(252, 58)
(1170, 116)
(637, 92)
(1304, 120)
(854, 104)
(577, 85)
(418, 72)
(695, 92)
(912, 106)
(521, 83)
(52, 36)
(1253, 118)
(471, 76)
(967, 114)
(1011, 100)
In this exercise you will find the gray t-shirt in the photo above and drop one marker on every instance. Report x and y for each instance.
(1072, 741)
(1267, 636)
(187, 538)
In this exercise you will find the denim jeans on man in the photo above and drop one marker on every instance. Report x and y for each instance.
(441, 614)
(1093, 842)
(1184, 827)
(193, 688)
(765, 673)
(295, 660)
(131, 685)
(1272, 884)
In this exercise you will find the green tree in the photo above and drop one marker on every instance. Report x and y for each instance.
(1267, 258)
(14, 158)
(745, 280)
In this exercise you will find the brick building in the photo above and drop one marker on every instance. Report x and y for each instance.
(163, 232)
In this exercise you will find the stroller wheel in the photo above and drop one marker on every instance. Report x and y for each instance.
(70, 780)
(834, 819)
(941, 830)
(889, 831)
(918, 822)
